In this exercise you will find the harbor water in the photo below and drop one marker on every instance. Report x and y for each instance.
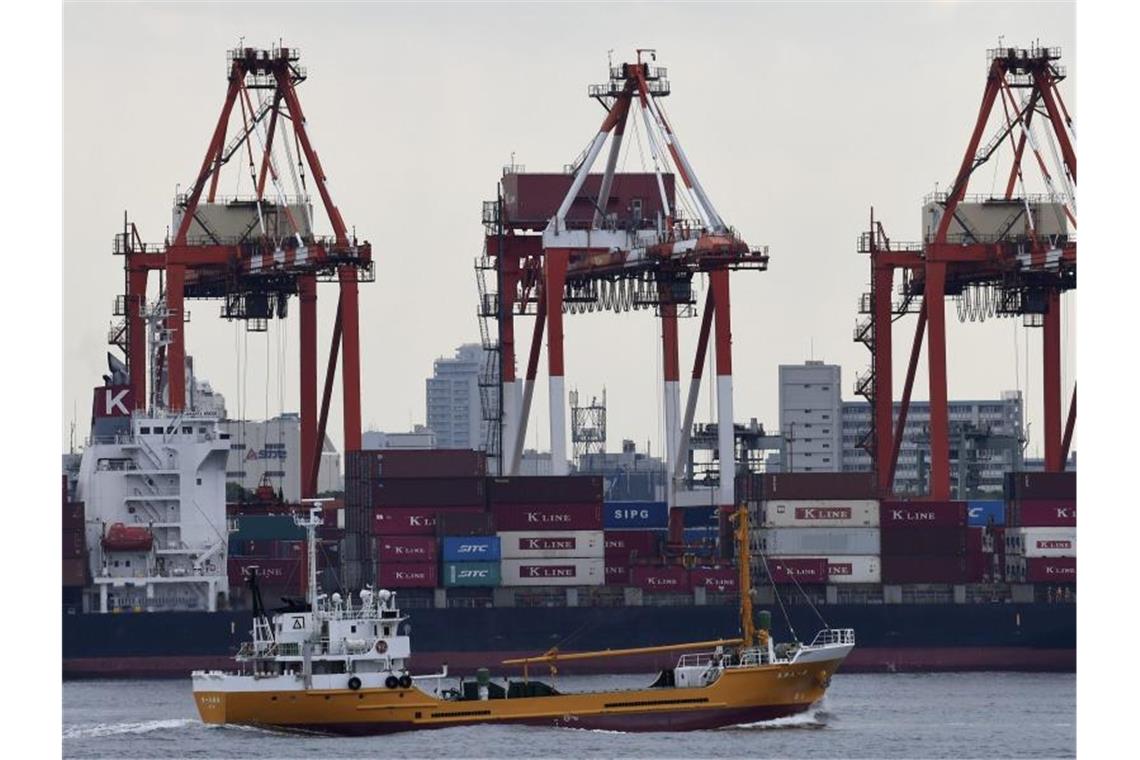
(959, 715)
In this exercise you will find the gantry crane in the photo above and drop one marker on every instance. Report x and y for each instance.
(254, 253)
(613, 241)
(1008, 254)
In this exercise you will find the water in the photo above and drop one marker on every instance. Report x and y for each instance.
(961, 715)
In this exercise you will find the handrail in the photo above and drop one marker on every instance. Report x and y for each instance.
(555, 656)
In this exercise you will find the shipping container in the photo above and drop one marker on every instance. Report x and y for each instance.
(575, 571)
(819, 541)
(405, 549)
(468, 574)
(906, 540)
(617, 572)
(706, 535)
(798, 569)
(266, 548)
(409, 522)
(531, 517)
(452, 523)
(1041, 542)
(545, 490)
(819, 485)
(415, 463)
(634, 515)
(660, 579)
(947, 514)
(1050, 569)
(985, 513)
(407, 575)
(935, 569)
(854, 569)
(552, 544)
(74, 544)
(275, 572)
(429, 492)
(721, 580)
(820, 513)
(623, 544)
(267, 527)
(1040, 486)
(700, 517)
(471, 549)
(73, 515)
(74, 573)
(533, 197)
(1051, 513)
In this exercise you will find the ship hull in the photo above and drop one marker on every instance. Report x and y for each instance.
(920, 637)
(739, 695)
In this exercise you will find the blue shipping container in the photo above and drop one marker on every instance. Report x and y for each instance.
(979, 513)
(635, 515)
(700, 517)
(701, 535)
(471, 549)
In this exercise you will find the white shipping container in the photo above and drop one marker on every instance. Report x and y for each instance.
(783, 542)
(1041, 542)
(821, 513)
(855, 568)
(552, 544)
(572, 571)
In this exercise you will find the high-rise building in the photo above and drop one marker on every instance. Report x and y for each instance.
(453, 406)
(823, 433)
(810, 408)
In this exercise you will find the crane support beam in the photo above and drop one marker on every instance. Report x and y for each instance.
(908, 386)
(528, 383)
(936, 364)
(176, 353)
(1051, 382)
(326, 399)
(136, 334)
(307, 292)
(882, 286)
(555, 261)
(671, 396)
(1070, 426)
(350, 357)
(726, 427)
(694, 384)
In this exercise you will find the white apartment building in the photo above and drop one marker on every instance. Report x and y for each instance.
(810, 409)
(454, 413)
(419, 437)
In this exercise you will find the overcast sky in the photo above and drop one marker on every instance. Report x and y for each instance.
(796, 117)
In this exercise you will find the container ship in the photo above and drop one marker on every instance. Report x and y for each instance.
(506, 567)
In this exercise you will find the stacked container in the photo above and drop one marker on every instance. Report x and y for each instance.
(930, 542)
(275, 544)
(634, 531)
(1041, 537)
(393, 502)
(471, 561)
(550, 530)
(74, 541)
(819, 528)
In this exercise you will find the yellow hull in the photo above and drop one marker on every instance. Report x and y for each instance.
(739, 695)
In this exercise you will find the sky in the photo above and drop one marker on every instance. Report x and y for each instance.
(796, 117)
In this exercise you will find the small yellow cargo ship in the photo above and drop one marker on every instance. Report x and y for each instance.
(341, 667)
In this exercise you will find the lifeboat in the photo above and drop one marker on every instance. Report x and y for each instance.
(127, 538)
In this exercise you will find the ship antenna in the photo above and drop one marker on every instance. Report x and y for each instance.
(310, 525)
(748, 628)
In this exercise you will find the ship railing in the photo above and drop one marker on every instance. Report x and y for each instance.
(833, 637)
(696, 659)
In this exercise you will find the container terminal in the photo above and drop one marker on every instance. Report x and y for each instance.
(493, 560)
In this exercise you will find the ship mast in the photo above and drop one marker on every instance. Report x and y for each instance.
(747, 627)
(310, 525)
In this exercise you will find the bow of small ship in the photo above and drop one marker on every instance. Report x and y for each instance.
(341, 667)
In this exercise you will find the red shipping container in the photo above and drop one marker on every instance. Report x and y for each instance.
(1053, 513)
(546, 490)
(272, 572)
(977, 541)
(407, 575)
(801, 570)
(947, 514)
(1051, 569)
(1034, 486)
(660, 579)
(910, 541)
(617, 573)
(935, 569)
(416, 463)
(724, 580)
(409, 522)
(74, 544)
(74, 572)
(406, 549)
(547, 516)
(429, 492)
(73, 515)
(534, 197)
(463, 523)
(819, 485)
(623, 544)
